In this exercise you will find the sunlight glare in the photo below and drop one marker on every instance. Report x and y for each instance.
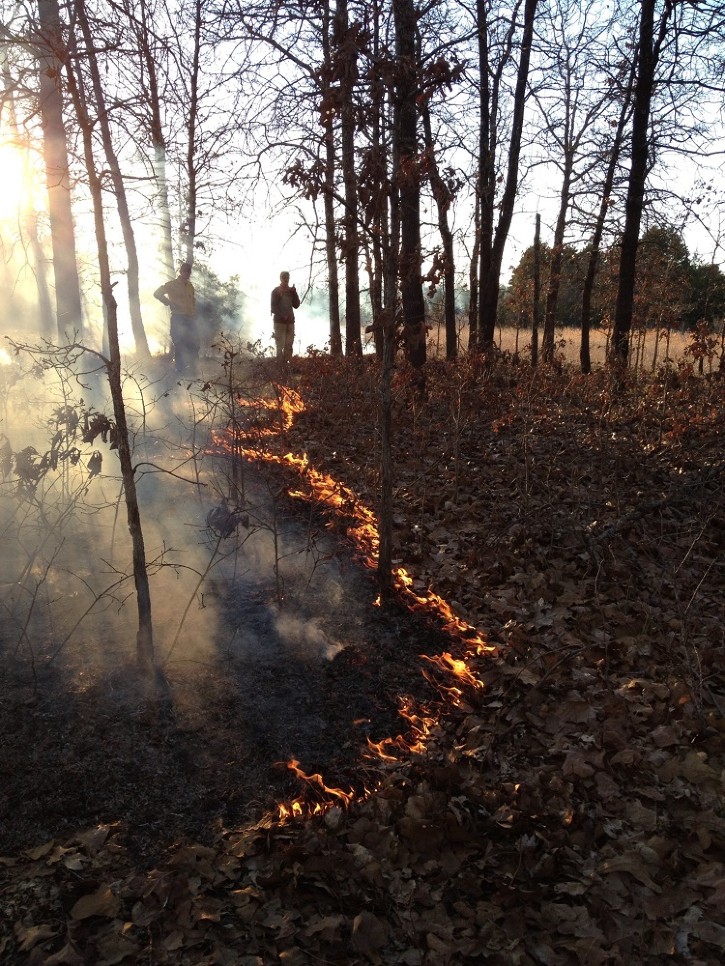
(13, 182)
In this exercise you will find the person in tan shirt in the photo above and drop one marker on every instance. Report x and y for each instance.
(283, 303)
(179, 295)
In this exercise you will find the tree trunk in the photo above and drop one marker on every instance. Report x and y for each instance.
(47, 323)
(473, 276)
(408, 180)
(552, 294)
(346, 55)
(596, 240)
(537, 295)
(50, 54)
(442, 197)
(647, 57)
(189, 226)
(119, 186)
(328, 115)
(385, 523)
(144, 637)
(144, 35)
(494, 242)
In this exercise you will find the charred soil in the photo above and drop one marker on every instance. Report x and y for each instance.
(558, 798)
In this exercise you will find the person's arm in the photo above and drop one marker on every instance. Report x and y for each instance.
(295, 297)
(274, 302)
(160, 294)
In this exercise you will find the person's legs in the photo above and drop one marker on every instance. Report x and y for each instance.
(280, 334)
(192, 348)
(177, 338)
(289, 339)
(185, 339)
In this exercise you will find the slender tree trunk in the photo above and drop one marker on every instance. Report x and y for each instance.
(119, 185)
(50, 54)
(148, 55)
(328, 116)
(647, 57)
(385, 233)
(144, 637)
(596, 240)
(189, 227)
(385, 525)
(442, 197)
(408, 179)
(473, 276)
(535, 314)
(346, 56)
(47, 323)
(552, 294)
(333, 280)
(494, 242)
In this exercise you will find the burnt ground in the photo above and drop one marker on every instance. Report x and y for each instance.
(566, 806)
(99, 750)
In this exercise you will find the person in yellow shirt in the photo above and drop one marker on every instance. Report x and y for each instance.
(283, 303)
(179, 295)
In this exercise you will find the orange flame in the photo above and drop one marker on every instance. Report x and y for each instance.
(363, 531)
(329, 796)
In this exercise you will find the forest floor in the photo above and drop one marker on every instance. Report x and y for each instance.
(544, 697)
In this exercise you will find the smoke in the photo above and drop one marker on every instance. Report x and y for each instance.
(268, 588)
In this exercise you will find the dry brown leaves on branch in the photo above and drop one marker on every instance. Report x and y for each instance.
(567, 804)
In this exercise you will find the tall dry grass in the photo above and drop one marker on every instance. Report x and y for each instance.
(650, 348)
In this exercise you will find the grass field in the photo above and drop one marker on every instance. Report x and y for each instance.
(649, 348)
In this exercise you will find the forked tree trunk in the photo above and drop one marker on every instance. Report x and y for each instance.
(189, 227)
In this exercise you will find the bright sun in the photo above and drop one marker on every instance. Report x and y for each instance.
(13, 181)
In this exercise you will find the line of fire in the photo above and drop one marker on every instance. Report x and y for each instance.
(452, 677)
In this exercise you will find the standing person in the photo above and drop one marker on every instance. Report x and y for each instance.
(179, 295)
(284, 301)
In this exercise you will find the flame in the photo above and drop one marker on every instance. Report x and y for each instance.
(328, 796)
(363, 532)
